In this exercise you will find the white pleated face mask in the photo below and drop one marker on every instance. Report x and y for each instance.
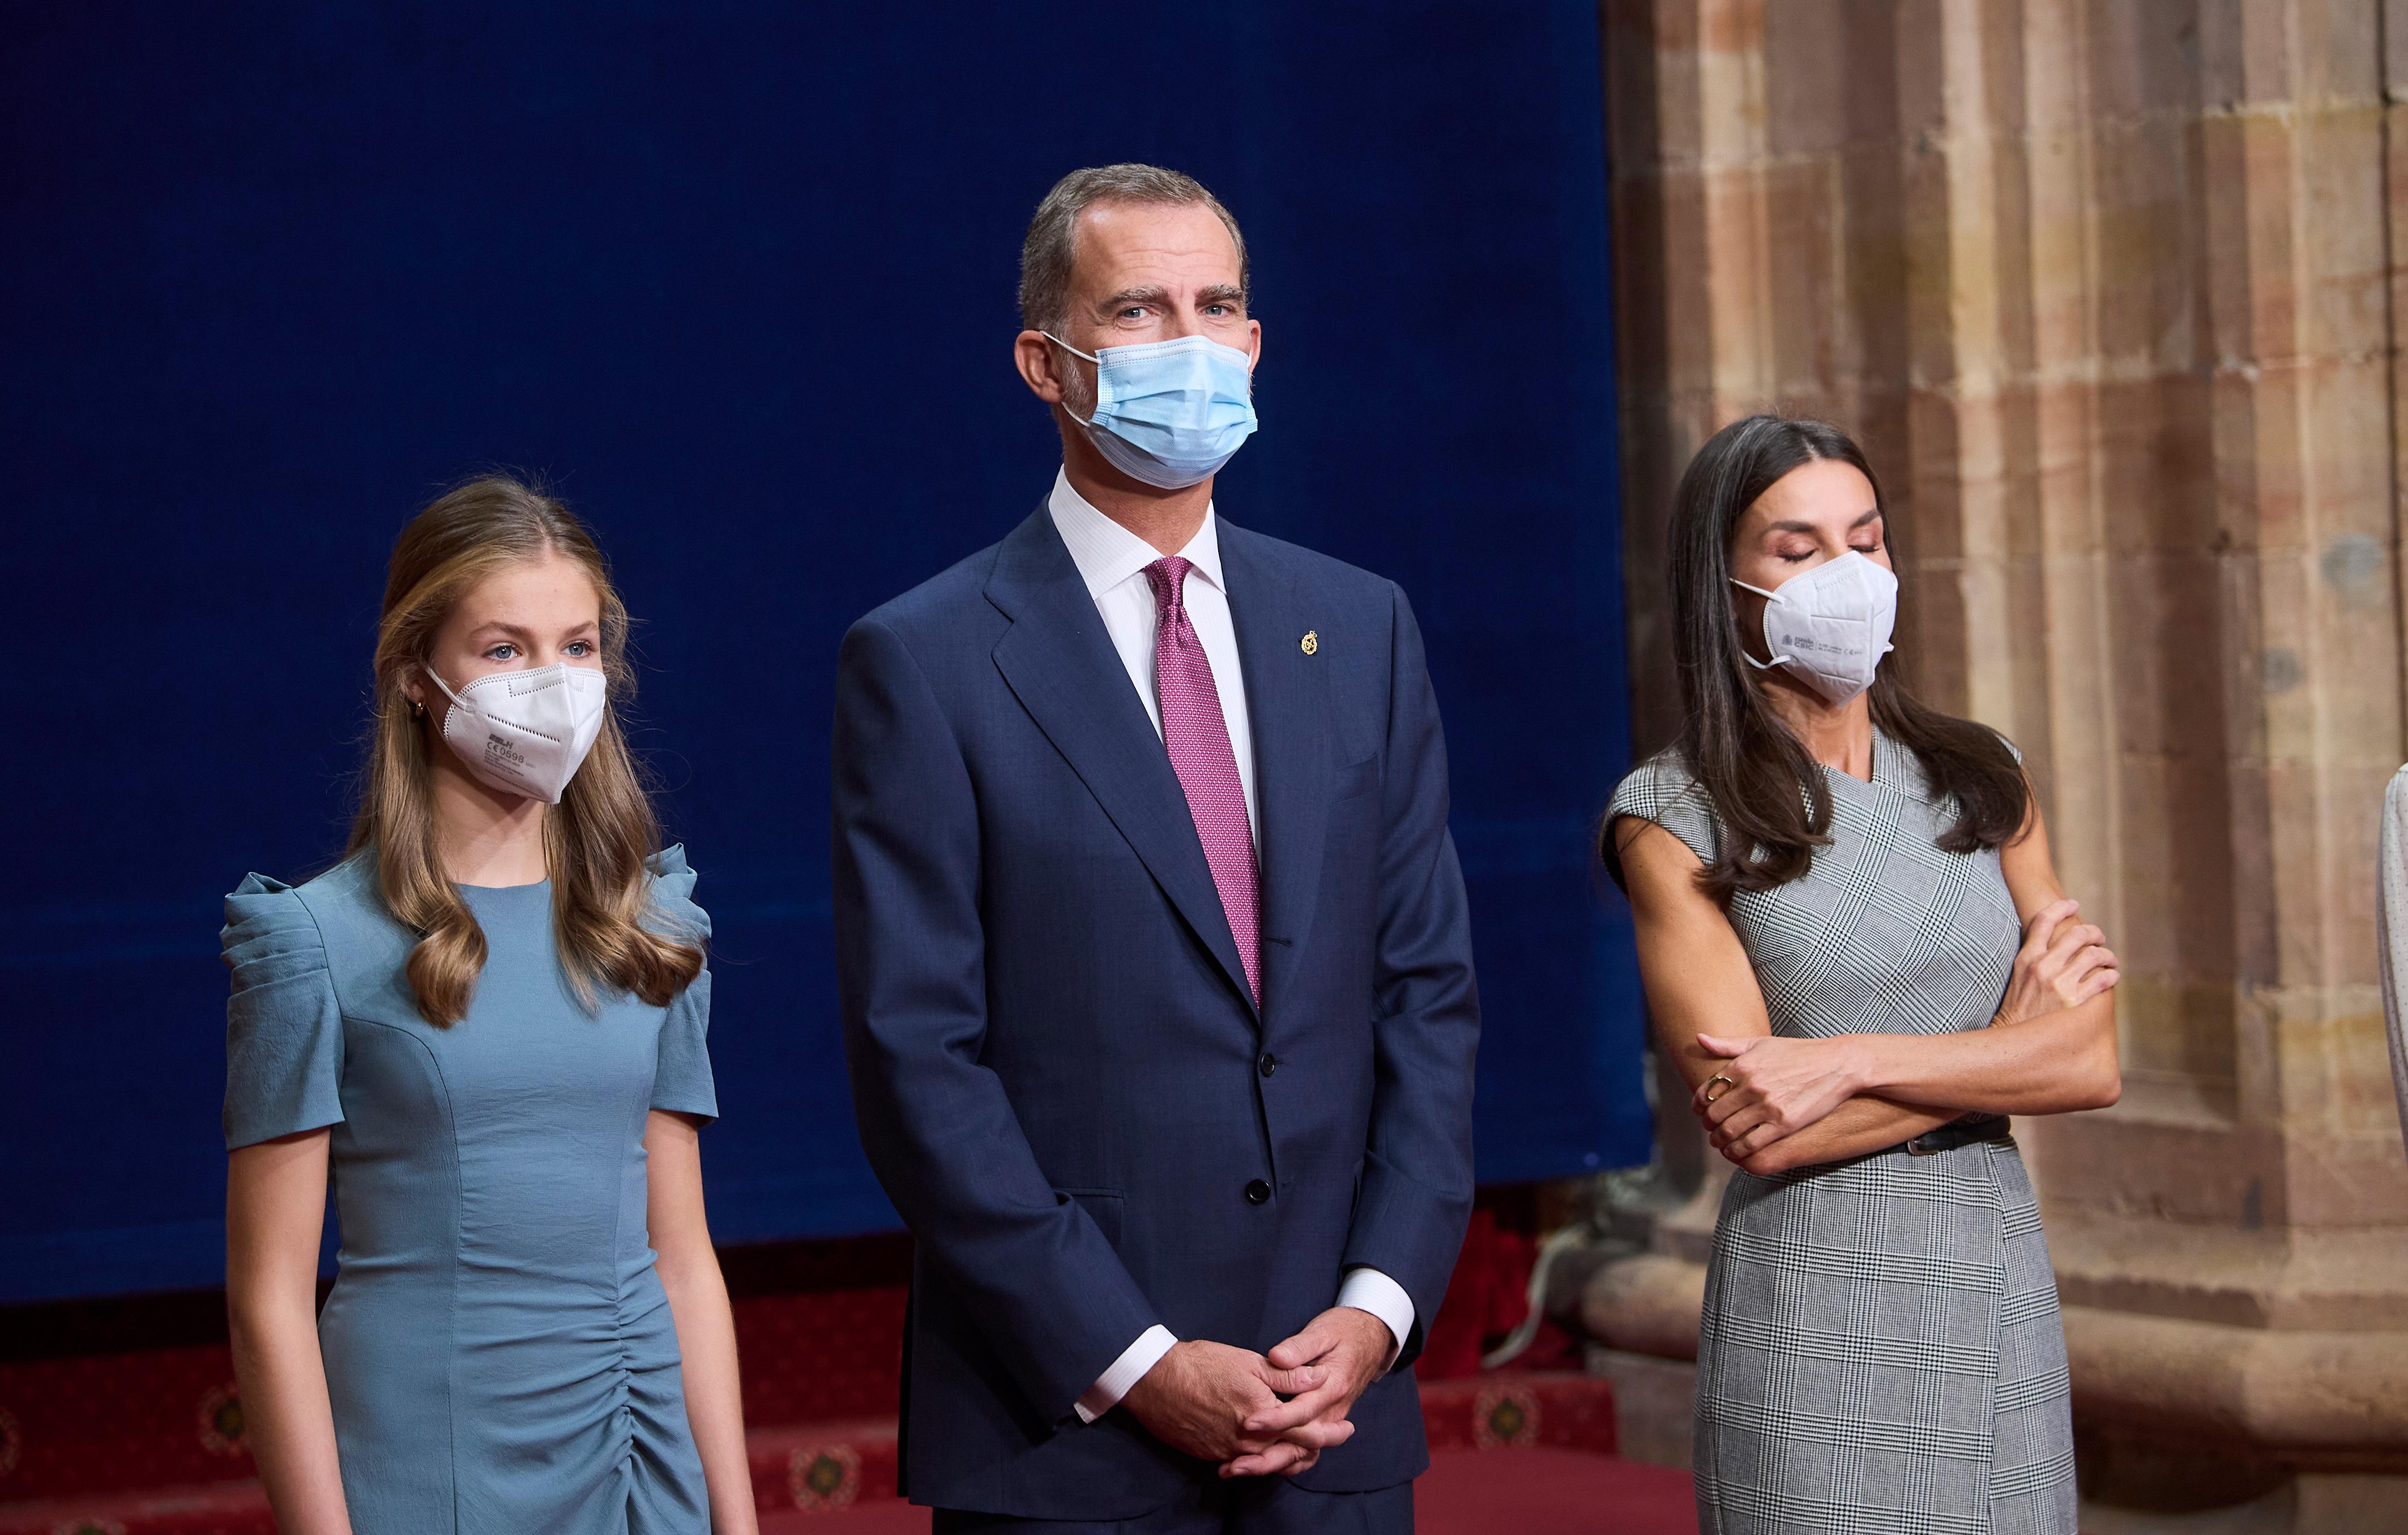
(1829, 626)
(526, 732)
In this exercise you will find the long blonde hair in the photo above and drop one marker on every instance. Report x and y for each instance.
(596, 841)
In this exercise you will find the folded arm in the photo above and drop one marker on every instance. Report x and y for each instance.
(1700, 985)
(1788, 1102)
(1783, 1104)
(2051, 1049)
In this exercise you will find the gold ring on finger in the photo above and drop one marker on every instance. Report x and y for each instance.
(1718, 1077)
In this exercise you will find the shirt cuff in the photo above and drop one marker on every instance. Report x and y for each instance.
(1370, 1290)
(1129, 1369)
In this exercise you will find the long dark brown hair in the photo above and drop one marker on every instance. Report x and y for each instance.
(1772, 801)
(596, 841)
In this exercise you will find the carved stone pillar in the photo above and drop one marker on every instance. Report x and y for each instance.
(2107, 288)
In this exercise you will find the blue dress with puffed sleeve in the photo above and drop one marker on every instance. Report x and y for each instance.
(499, 1353)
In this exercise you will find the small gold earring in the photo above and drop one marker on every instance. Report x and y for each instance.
(417, 710)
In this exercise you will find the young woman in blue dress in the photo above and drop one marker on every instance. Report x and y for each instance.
(486, 1024)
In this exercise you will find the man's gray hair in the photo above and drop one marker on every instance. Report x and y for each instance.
(1052, 242)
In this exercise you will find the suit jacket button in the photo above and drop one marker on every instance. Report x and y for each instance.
(1258, 1192)
(1267, 1063)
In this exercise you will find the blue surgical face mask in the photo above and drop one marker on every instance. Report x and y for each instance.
(1169, 413)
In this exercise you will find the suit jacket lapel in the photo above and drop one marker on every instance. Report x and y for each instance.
(1287, 705)
(1060, 664)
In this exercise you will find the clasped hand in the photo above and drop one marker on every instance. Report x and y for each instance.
(1768, 1088)
(1258, 1415)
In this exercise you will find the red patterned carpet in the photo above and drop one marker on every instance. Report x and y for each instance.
(1467, 1492)
(1511, 1452)
(120, 1417)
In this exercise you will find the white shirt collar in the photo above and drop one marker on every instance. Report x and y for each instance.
(1108, 553)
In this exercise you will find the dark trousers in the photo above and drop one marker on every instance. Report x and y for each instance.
(1251, 1505)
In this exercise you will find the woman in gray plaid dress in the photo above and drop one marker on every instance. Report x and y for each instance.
(1855, 947)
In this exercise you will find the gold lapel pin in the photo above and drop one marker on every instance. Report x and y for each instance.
(1312, 641)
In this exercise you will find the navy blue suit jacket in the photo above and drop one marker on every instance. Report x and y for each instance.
(1060, 1076)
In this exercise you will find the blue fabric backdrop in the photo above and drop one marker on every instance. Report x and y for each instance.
(739, 282)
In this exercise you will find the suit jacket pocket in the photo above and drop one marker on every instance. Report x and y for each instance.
(1103, 1206)
(1359, 780)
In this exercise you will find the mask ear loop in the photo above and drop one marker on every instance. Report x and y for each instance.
(428, 672)
(1769, 596)
(1071, 350)
(1090, 422)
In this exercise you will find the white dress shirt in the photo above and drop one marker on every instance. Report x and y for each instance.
(1112, 561)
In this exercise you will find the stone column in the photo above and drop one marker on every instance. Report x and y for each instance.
(2108, 291)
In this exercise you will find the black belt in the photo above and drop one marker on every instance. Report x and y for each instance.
(1963, 1132)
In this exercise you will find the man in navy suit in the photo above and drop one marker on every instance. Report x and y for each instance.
(1156, 971)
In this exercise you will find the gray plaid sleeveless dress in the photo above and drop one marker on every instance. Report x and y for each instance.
(1881, 1352)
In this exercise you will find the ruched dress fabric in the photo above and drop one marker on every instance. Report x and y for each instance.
(1880, 1352)
(499, 1352)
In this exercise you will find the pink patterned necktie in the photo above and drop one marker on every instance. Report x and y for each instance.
(1197, 738)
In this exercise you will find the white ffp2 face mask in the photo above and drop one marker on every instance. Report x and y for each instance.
(1829, 626)
(526, 732)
